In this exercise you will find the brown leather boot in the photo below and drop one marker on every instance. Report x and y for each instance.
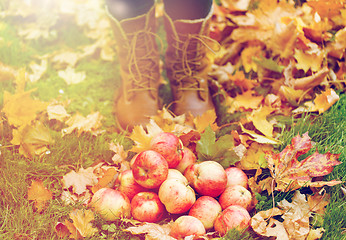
(138, 56)
(188, 61)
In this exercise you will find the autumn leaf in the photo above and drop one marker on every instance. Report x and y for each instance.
(38, 193)
(37, 70)
(220, 150)
(90, 123)
(32, 139)
(243, 101)
(259, 138)
(58, 112)
(325, 100)
(259, 119)
(107, 180)
(80, 180)
(20, 108)
(81, 226)
(204, 120)
(306, 61)
(289, 174)
(152, 231)
(254, 157)
(143, 137)
(71, 76)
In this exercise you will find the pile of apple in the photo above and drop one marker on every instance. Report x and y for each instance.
(168, 179)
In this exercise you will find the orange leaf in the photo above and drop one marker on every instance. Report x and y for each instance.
(204, 120)
(325, 100)
(107, 180)
(243, 101)
(326, 8)
(38, 193)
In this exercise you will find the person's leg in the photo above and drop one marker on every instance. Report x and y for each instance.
(187, 9)
(121, 9)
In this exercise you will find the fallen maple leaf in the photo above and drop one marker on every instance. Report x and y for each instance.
(81, 226)
(58, 112)
(107, 180)
(243, 101)
(259, 138)
(90, 123)
(32, 139)
(153, 231)
(143, 137)
(71, 76)
(38, 193)
(37, 70)
(259, 119)
(289, 174)
(80, 180)
(254, 157)
(325, 100)
(120, 155)
(204, 120)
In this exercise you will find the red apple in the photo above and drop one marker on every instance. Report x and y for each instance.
(236, 176)
(177, 196)
(206, 209)
(147, 207)
(232, 217)
(150, 169)
(111, 204)
(126, 183)
(187, 226)
(207, 178)
(169, 146)
(175, 174)
(236, 195)
(188, 159)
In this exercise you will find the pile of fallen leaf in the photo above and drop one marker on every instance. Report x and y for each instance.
(276, 59)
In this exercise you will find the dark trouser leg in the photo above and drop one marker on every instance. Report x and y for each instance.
(121, 9)
(187, 9)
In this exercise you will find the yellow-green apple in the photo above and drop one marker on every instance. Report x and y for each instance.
(126, 183)
(176, 174)
(147, 207)
(207, 178)
(188, 159)
(232, 217)
(206, 209)
(236, 195)
(169, 146)
(185, 226)
(111, 204)
(150, 169)
(236, 176)
(177, 196)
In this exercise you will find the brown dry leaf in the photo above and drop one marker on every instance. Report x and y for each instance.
(143, 137)
(204, 120)
(32, 139)
(107, 180)
(69, 198)
(243, 101)
(259, 119)
(296, 216)
(259, 223)
(152, 231)
(80, 180)
(318, 202)
(20, 108)
(90, 123)
(38, 193)
(61, 230)
(58, 112)
(81, 226)
(120, 154)
(254, 156)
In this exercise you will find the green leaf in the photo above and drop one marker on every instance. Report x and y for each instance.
(220, 150)
(268, 64)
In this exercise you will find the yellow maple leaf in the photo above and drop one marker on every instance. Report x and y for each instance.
(243, 101)
(90, 123)
(58, 112)
(38, 193)
(247, 57)
(259, 119)
(107, 180)
(254, 157)
(308, 61)
(20, 108)
(81, 226)
(204, 120)
(325, 100)
(33, 139)
(143, 137)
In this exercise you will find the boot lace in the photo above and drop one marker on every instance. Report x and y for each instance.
(191, 50)
(142, 61)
